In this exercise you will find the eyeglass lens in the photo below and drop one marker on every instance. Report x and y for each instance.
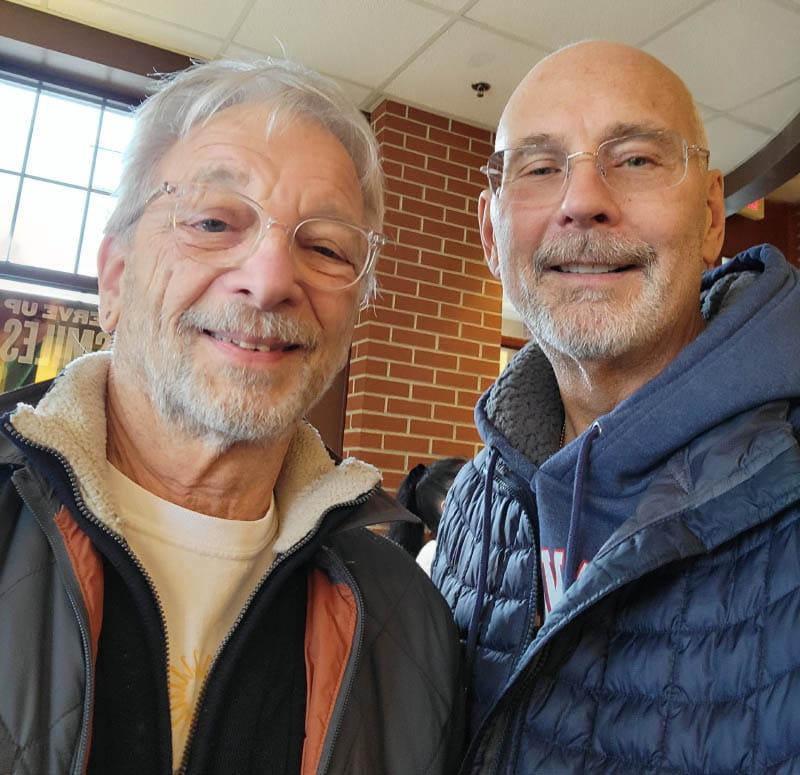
(216, 226)
(639, 162)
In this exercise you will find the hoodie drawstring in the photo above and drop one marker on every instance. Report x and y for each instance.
(571, 560)
(483, 567)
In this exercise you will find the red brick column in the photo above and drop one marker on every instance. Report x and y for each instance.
(430, 345)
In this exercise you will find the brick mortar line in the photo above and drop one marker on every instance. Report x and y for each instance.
(421, 347)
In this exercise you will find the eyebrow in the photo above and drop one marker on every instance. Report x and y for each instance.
(332, 211)
(540, 139)
(220, 175)
(618, 129)
(623, 129)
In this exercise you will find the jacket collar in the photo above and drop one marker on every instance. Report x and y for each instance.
(70, 420)
(725, 483)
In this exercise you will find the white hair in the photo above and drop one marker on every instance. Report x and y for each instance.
(193, 96)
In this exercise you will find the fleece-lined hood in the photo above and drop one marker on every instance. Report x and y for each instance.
(737, 363)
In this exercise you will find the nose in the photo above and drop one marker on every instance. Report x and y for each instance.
(587, 200)
(268, 276)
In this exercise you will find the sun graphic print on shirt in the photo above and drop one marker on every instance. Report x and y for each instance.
(186, 676)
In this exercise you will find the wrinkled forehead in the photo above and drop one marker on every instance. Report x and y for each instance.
(248, 131)
(254, 149)
(588, 92)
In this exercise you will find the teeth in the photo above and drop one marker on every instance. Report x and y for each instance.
(262, 348)
(586, 269)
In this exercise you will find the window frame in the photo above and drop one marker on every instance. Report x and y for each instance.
(45, 82)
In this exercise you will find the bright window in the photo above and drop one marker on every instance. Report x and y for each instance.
(60, 152)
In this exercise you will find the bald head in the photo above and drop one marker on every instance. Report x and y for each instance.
(616, 78)
(661, 217)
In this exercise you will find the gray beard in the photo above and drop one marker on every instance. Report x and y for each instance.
(186, 399)
(597, 328)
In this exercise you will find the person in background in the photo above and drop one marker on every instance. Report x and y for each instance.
(623, 557)
(186, 582)
(423, 492)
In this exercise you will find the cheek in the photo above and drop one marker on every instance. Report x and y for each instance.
(335, 315)
(165, 284)
(675, 221)
(519, 230)
(186, 282)
(518, 235)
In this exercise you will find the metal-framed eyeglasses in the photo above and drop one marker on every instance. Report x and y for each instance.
(644, 161)
(218, 226)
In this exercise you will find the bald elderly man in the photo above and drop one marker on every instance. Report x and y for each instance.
(623, 558)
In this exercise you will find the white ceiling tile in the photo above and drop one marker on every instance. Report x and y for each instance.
(706, 113)
(554, 23)
(451, 5)
(462, 56)
(207, 17)
(235, 51)
(732, 143)
(774, 110)
(136, 26)
(733, 51)
(33, 3)
(359, 94)
(361, 40)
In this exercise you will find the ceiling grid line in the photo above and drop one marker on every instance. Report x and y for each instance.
(739, 57)
(237, 25)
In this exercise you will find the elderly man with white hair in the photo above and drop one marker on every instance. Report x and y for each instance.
(186, 581)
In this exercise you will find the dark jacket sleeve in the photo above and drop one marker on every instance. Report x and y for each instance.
(408, 689)
(40, 643)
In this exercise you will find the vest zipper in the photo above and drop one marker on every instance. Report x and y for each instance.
(520, 689)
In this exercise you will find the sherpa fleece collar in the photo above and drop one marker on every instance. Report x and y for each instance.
(71, 420)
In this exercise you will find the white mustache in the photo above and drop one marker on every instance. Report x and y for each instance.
(252, 322)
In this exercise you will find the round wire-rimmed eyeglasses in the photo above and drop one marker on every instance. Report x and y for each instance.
(644, 161)
(218, 226)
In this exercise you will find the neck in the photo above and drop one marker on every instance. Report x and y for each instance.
(590, 389)
(587, 396)
(234, 482)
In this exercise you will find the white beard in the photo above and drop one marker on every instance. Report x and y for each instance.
(587, 324)
(191, 400)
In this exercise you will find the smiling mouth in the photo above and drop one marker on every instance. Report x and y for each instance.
(591, 268)
(262, 348)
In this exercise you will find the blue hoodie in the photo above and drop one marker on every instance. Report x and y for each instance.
(579, 498)
(736, 364)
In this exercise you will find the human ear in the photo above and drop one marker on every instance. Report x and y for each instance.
(487, 232)
(714, 234)
(111, 260)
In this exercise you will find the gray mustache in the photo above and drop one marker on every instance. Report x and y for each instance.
(598, 249)
(244, 319)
